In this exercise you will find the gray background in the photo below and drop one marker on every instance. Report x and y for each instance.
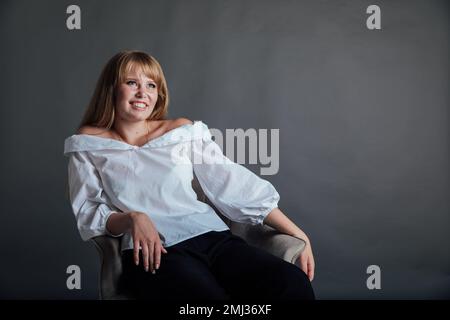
(363, 118)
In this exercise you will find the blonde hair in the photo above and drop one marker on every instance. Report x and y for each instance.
(100, 111)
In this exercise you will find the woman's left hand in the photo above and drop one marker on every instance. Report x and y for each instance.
(279, 221)
(306, 261)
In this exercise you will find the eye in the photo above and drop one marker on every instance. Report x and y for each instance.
(130, 81)
(151, 85)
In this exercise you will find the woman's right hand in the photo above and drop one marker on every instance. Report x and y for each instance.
(146, 236)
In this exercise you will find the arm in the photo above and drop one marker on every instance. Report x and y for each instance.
(277, 220)
(237, 192)
(96, 216)
(118, 223)
(241, 195)
(144, 233)
(90, 204)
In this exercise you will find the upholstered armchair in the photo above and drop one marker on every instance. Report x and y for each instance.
(281, 245)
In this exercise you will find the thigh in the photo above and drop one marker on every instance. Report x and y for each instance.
(251, 273)
(182, 275)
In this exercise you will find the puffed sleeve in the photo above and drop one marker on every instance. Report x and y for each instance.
(237, 192)
(89, 202)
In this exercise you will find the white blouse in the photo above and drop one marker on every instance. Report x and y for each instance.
(107, 175)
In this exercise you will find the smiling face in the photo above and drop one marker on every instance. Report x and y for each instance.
(136, 96)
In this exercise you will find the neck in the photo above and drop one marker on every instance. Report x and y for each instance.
(131, 132)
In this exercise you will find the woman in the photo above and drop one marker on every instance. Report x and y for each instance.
(130, 174)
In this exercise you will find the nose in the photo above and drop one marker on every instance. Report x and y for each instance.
(141, 92)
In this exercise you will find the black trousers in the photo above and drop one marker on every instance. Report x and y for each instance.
(216, 266)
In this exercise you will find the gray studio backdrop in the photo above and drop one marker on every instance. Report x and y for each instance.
(363, 119)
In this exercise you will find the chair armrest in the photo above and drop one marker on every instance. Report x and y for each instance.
(111, 266)
(281, 245)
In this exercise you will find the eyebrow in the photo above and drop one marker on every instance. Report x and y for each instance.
(133, 78)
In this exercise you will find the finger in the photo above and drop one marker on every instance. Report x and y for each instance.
(136, 252)
(311, 269)
(303, 264)
(145, 255)
(151, 247)
(163, 249)
(157, 255)
(310, 273)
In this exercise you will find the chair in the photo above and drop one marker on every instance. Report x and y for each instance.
(281, 245)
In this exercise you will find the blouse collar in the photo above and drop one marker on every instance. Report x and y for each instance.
(184, 133)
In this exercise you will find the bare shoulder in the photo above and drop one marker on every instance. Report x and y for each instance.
(182, 121)
(91, 130)
(175, 123)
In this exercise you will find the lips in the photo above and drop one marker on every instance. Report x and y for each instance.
(139, 105)
(138, 101)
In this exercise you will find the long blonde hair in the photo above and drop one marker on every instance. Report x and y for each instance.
(100, 111)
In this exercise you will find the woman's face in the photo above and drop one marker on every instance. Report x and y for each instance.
(136, 96)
